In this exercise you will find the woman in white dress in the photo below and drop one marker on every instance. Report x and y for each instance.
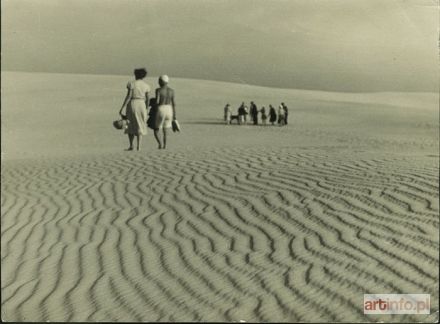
(136, 102)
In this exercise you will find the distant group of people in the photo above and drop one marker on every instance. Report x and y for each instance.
(244, 113)
(136, 103)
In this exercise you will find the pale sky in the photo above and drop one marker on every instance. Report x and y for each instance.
(337, 45)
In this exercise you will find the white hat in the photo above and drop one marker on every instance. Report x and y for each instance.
(164, 78)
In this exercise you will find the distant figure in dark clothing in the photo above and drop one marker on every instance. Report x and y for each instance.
(286, 112)
(272, 115)
(263, 115)
(254, 113)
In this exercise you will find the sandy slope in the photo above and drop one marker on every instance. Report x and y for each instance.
(72, 114)
(231, 223)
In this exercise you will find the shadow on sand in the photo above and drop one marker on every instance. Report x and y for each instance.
(207, 122)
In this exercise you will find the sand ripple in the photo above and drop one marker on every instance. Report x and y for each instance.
(219, 235)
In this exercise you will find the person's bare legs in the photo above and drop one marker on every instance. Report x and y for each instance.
(157, 137)
(138, 141)
(164, 138)
(130, 139)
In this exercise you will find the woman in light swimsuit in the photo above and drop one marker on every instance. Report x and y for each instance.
(166, 111)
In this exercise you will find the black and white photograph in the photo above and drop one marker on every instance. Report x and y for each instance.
(220, 161)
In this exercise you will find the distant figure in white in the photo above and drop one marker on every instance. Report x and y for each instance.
(228, 113)
(263, 115)
(166, 111)
(241, 114)
(281, 112)
(246, 113)
(136, 103)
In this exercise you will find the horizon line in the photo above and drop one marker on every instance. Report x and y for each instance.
(223, 81)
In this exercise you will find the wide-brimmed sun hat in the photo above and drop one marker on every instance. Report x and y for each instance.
(164, 78)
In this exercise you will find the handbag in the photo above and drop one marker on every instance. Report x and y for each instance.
(175, 125)
(121, 123)
(151, 121)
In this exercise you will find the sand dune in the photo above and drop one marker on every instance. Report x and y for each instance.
(343, 202)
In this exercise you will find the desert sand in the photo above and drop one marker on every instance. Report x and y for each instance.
(230, 223)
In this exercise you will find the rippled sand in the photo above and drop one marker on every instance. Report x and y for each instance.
(230, 223)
